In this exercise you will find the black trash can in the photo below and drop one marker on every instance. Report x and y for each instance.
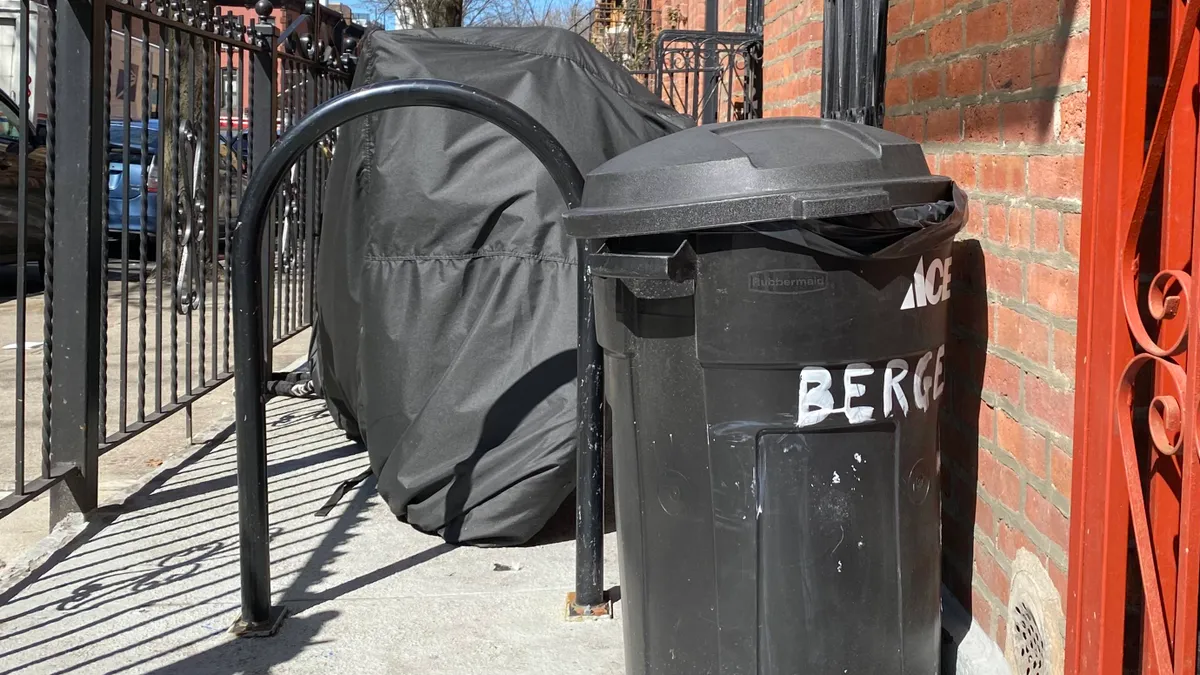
(771, 300)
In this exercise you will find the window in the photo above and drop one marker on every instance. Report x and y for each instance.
(230, 88)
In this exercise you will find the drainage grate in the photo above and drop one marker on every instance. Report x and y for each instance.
(1029, 648)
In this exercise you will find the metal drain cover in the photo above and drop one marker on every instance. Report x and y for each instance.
(1029, 644)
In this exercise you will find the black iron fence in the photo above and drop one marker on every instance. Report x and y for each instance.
(713, 77)
(130, 131)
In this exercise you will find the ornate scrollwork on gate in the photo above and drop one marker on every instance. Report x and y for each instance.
(190, 209)
(1169, 434)
(713, 77)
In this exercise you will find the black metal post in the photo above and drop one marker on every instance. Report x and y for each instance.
(853, 61)
(711, 70)
(754, 17)
(264, 112)
(257, 617)
(588, 599)
(311, 219)
(80, 275)
(250, 332)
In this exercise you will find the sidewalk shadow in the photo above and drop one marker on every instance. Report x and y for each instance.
(966, 353)
(302, 626)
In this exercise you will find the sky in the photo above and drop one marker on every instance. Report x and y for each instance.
(361, 12)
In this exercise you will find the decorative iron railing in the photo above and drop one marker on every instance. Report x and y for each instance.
(714, 77)
(156, 113)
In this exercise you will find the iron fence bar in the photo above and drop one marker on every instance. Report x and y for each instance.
(251, 341)
(55, 476)
(143, 234)
(213, 54)
(287, 211)
(223, 187)
(78, 197)
(174, 199)
(164, 216)
(125, 83)
(239, 72)
(136, 428)
(189, 248)
(312, 178)
(103, 129)
(48, 241)
(22, 224)
(176, 25)
(208, 215)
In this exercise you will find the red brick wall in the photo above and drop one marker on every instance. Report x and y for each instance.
(682, 14)
(732, 15)
(792, 57)
(996, 92)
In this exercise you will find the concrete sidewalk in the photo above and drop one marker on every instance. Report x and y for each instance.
(152, 586)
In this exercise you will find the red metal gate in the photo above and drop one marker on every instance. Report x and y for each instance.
(1137, 468)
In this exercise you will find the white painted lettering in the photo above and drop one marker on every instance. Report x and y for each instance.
(935, 273)
(922, 385)
(856, 414)
(939, 375)
(893, 375)
(859, 382)
(930, 285)
(816, 403)
(918, 286)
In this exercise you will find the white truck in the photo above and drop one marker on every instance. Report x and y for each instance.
(37, 85)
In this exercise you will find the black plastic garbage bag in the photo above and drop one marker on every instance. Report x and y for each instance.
(446, 286)
(900, 233)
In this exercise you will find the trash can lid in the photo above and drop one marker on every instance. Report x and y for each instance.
(752, 172)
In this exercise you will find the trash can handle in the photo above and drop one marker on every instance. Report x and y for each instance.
(679, 266)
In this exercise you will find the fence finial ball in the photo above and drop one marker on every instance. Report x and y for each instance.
(263, 8)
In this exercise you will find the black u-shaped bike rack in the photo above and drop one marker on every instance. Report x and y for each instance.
(250, 368)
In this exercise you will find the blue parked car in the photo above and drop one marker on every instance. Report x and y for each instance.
(231, 179)
(118, 179)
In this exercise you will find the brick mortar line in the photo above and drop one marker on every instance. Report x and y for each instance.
(992, 547)
(1000, 402)
(794, 77)
(1043, 94)
(814, 97)
(785, 13)
(1062, 261)
(1047, 375)
(1028, 528)
(1025, 418)
(1022, 524)
(968, 426)
(1040, 203)
(784, 59)
(1079, 24)
(1059, 33)
(1062, 206)
(1032, 40)
(800, 48)
(1031, 310)
(1053, 94)
(1034, 311)
(1015, 150)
